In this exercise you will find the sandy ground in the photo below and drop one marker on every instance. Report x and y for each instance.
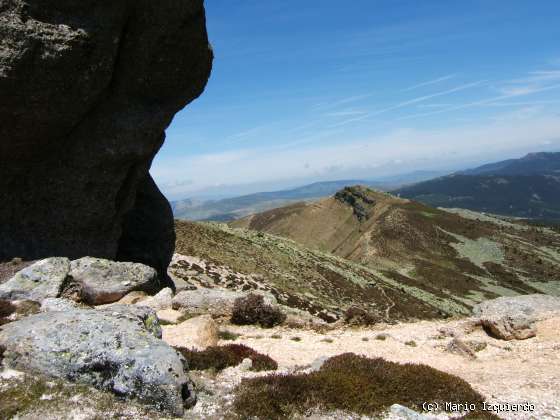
(525, 371)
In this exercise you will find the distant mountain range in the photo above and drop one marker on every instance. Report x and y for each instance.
(237, 207)
(528, 187)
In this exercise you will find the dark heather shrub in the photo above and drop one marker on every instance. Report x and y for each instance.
(354, 384)
(6, 309)
(221, 357)
(358, 316)
(252, 309)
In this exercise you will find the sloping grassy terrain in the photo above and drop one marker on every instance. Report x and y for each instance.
(459, 258)
(320, 283)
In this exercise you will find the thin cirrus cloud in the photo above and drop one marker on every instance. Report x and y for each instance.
(485, 102)
(429, 82)
(409, 102)
(406, 145)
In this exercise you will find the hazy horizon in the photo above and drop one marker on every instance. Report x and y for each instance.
(302, 92)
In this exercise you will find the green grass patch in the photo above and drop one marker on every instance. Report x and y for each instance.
(228, 335)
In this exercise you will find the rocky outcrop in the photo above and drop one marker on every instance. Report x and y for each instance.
(93, 281)
(87, 89)
(115, 349)
(513, 318)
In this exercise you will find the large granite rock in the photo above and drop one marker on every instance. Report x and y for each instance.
(94, 281)
(513, 318)
(115, 349)
(44, 279)
(87, 89)
(196, 333)
(103, 281)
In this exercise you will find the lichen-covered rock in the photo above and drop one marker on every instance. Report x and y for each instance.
(218, 302)
(59, 304)
(41, 280)
(115, 349)
(162, 300)
(87, 89)
(196, 333)
(513, 318)
(103, 281)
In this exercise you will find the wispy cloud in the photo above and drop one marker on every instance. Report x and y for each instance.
(532, 83)
(430, 82)
(412, 148)
(342, 101)
(406, 103)
(483, 102)
(346, 113)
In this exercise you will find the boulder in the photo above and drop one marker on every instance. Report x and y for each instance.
(218, 302)
(59, 304)
(169, 316)
(115, 349)
(400, 412)
(195, 333)
(461, 348)
(133, 297)
(513, 318)
(162, 300)
(43, 279)
(103, 281)
(87, 89)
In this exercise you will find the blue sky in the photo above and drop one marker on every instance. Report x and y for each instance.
(303, 91)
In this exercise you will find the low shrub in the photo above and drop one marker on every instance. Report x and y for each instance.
(354, 384)
(228, 335)
(221, 357)
(6, 309)
(411, 343)
(358, 316)
(252, 309)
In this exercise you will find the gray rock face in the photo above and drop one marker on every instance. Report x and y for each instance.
(510, 318)
(116, 349)
(162, 300)
(44, 279)
(103, 281)
(59, 304)
(87, 89)
(217, 302)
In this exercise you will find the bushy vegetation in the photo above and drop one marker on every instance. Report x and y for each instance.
(354, 384)
(6, 309)
(221, 357)
(228, 335)
(358, 316)
(252, 309)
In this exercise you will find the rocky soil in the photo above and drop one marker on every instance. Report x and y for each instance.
(109, 361)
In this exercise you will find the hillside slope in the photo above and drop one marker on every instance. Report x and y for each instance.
(237, 207)
(528, 187)
(461, 257)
